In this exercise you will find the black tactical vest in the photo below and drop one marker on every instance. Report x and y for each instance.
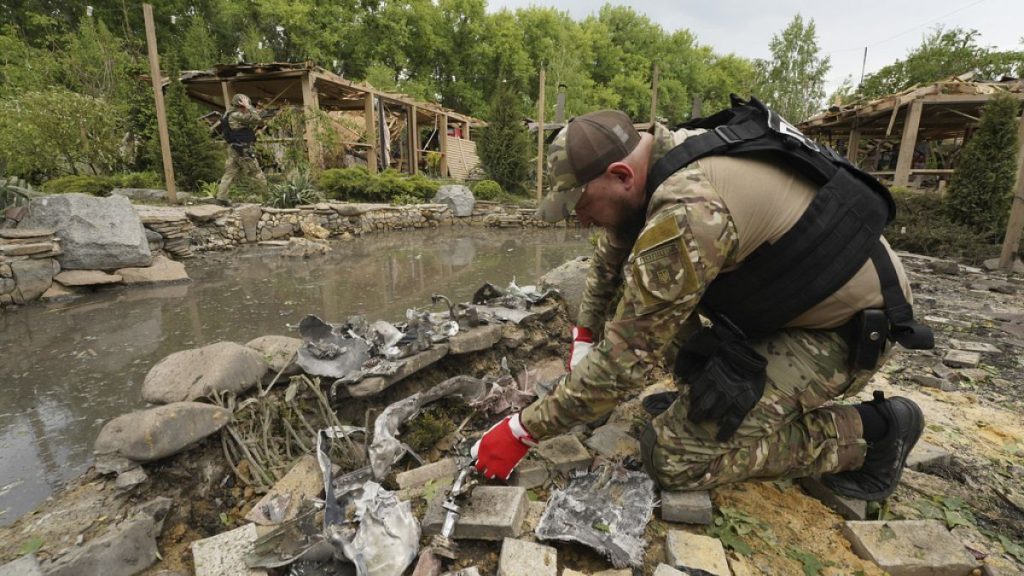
(239, 137)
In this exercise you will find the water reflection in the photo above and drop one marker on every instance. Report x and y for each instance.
(68, 368)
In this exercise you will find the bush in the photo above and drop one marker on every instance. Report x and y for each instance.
(138, 180)
(95, 185)
(922, 227)
(295, 190)
(488, 190)
(423, 187)
(387, 185)
(345, 183)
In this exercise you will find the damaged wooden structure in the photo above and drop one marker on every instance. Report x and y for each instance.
(946, 111)
(383, 129)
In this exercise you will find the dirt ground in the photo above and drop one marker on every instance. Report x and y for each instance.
(780, 529)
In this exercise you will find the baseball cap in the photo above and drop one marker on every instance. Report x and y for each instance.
(581, 152)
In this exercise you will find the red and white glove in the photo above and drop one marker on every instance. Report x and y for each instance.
(582, 343)
(501, 448)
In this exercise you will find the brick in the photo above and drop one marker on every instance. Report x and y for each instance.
(961, 359)
(522, 558)
(475, 339)
(24, 566)
(686, 507)
(848, 508)
(983, 347)
(925, 455)
(224, 554)
(933, 382)
(445, 469)
(491, 513)
(686, 552)
(303, 482)
(666, 570)
(564, 454)
(910, 547)
(613, 441)
(534, 511)
(530, 473)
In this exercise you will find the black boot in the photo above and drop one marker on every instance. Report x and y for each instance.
(883, 464)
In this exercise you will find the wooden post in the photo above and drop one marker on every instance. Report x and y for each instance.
(465, 130)
(227, 91)
(158, 100)
(310, 105)
(371, 134)
(697, 103)
(853, 146)
(906, 158)
(1016, 223)
(654, 94)
(540, 137)
(442, 134)
(414, 141)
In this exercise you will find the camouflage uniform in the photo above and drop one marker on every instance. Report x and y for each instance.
(240, 159)
(689, 237)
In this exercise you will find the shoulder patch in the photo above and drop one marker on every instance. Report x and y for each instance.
(661, 267)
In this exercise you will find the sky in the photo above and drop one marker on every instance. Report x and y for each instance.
(889, 28)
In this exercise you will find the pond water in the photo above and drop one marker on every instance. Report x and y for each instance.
(68, 368)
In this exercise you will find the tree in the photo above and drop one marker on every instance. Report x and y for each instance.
(504, 145)
(197, 157)
(981, 189)
(793, 81)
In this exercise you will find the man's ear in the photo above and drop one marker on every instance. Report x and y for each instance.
(623, 172)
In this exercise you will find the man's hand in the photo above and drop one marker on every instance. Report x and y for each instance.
(501, 448)
(582, 343)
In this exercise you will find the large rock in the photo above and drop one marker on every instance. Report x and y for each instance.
(96, 233)
(162, 271)
(571, 280)
(191, 374)
(159, 432)
(458, 197)
(123, 550)
(249, 215)
(910, 547)
(279, 352)
(34, 277)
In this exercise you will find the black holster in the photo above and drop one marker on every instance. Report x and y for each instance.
(866, 335)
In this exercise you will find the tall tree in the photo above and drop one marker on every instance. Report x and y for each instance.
(504, 145)
(793, 81)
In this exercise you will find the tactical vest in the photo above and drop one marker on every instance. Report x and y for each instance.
(830, 242)
(238, 137)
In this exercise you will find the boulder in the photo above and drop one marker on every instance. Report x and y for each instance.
(95, 233)
(279, 353)
(191, 374)
(160, 432)
(570, 279)
(458, 197)
(34, 277)
(249, 215)
(163, 270)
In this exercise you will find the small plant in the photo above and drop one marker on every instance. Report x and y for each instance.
(488, 190)
(433, 160)
(15, 192)
(424, 187)
(95, 185)
(297, 189)
(346, 183)
(405, 199)
(138, 180)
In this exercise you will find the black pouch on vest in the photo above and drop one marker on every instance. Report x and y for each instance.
(866, 335)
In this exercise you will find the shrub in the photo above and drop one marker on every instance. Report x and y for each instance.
(423, 187)
(345, 183)
(95, 185)
(388, 184)
(922, 227)
(297, 189)
(488, 190)
(138, 180)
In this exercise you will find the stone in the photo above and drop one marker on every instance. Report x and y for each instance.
(925, 456)
(224, 554)
(983, 347)
(944, 267)
(475, 339)
(530, 473)
(74, 278)
(666, 570)
(206, 212)
(945, 372)
(686, 507)
(493, 513)
(155, 239)
(303, 482)
(192, 374)
(613, 441)
(34, 278)
(686, 552)
(933, 382)
(459, 199)
(534, 512)
(961, 359)
(95, 233)
(124, 549)
(25, 249)
(411, 365)
(444, 469)
(993, 264)
(522, 558)
(910, 547)
(130, 478)
(249, 215)
(146, 194)
(155, 433)
(278, 352)
(24, 566)
(163, 270)
(22, 232)
(7, 285)
(58, 293)
(848, 508)
(428, 564)
(564, 454)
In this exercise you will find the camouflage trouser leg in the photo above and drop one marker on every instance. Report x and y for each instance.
(787, 435)
(238, 164)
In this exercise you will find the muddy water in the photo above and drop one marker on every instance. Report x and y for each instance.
(67, 368)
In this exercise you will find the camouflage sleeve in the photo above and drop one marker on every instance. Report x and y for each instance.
(603, 281)
(249, 119)
(680, 251)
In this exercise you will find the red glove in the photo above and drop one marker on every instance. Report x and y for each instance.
(502, 447)
(582, 343)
